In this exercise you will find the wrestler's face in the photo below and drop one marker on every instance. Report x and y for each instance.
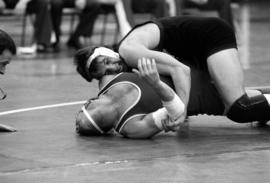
(110, 65)
(5, 59)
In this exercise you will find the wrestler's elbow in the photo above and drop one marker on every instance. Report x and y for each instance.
(131, 52)
(126, 49)
(181, 77)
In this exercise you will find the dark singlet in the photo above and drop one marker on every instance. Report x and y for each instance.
(192, 39)
(204, 98)
(148, 101)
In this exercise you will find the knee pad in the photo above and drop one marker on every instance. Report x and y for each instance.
(248, 109)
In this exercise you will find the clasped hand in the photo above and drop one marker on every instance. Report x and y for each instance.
(147, 70)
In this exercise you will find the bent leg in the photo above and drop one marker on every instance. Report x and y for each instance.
(42, 23)
(87, 20)
(56, 16)
(225, 70)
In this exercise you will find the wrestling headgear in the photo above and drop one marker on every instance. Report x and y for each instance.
(101, 51)
(84, 57)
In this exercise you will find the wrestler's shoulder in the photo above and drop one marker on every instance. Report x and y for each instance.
(123, 87)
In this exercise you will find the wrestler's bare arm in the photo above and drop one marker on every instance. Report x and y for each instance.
(141, 43)
(153, 123)
(141, 127)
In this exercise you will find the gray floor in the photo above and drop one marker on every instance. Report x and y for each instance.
(46, 148)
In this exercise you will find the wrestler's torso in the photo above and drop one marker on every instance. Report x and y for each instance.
(139, 100)
(136, 98)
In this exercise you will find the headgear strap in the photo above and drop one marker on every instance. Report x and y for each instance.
(91, 120)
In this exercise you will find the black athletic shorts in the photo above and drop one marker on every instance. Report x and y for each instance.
(204, 97)
(191, 40)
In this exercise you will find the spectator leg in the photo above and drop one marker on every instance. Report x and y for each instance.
(56, 16)
(86, 22)
(42, 24)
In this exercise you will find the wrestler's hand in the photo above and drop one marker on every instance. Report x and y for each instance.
(174, 125)
(171, 125)
(147, 69)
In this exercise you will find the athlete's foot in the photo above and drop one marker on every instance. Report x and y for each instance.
(5, 128)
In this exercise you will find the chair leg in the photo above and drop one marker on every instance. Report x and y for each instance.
(72, 20)
(116, 30)
(23, 29)
(105, 21)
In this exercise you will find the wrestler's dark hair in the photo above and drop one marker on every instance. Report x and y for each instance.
(7, 43)
(80, 60)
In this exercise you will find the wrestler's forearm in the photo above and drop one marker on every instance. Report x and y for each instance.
(141, 129)
(166, 64)
(164, 91)
(182, 83)
(133, 52)
(181, 79)
(174, 105)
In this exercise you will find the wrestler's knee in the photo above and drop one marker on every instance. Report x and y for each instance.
(249, 109)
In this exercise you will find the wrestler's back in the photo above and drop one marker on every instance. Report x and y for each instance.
(133, 96)
(123, 96)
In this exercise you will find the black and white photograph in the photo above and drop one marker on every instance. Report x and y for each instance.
(134, 91)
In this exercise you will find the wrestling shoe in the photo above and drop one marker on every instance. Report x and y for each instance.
(5, 128)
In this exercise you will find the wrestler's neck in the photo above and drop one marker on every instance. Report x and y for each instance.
(105, 80)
